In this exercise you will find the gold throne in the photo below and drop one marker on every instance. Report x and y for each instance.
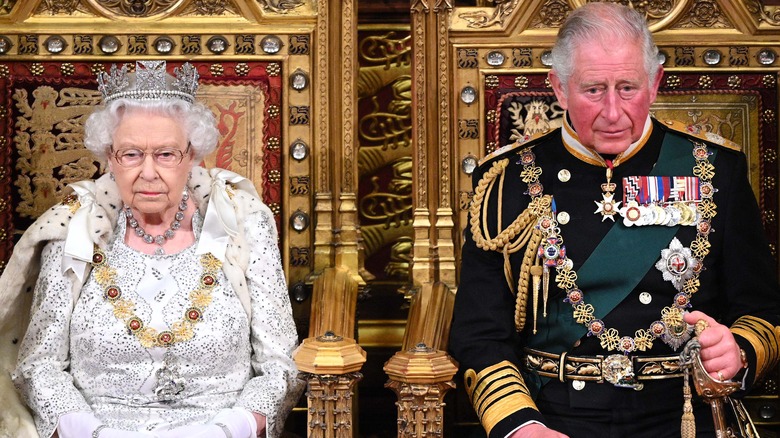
(479, 83)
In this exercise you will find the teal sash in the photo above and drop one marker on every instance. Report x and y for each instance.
(618, 263)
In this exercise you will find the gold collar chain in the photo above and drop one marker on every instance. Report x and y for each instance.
(124, 308)
(670, 328)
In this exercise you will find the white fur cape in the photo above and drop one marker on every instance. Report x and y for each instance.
(21, 273)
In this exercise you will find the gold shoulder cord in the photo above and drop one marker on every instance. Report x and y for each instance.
(522, 232)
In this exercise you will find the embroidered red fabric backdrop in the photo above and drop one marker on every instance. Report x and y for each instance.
(44, 106)
(741, 107)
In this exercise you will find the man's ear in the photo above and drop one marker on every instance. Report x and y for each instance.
(560, 92)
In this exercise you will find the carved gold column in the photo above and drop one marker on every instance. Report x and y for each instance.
(330, 405)
(329, 359)
(444, 215)
(421, 373)
(347, 235)
(337, 234)
(434, 251)
(423, 117)
(323, 197)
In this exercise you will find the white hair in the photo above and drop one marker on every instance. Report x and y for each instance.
(198, 122)
(597, 22)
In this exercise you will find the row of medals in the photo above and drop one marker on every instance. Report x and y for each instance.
(678, 213)
(618, 369)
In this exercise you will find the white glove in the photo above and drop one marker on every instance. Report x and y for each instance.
(110, 432)
(199, 431)
(84, 424)
(238, 422)
(77, 424)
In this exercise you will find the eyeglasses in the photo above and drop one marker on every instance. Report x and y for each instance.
(165, 157)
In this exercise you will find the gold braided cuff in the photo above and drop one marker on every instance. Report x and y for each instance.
(762, 338)
(496, 392)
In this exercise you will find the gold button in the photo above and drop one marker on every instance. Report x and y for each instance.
(564, 175)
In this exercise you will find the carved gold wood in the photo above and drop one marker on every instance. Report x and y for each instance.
(434, 250)
(335, 297)
(330, 359)
(384, 89)
(348, 230)
(337, 233)
(420, 408)
(422, 372)
(330, 413)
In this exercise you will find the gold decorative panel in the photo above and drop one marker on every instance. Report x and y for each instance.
(385, 150)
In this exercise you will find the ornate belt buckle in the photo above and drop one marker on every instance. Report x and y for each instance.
(618, 370)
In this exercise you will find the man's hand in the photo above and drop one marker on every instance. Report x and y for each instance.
(536, 430)
(719, 350)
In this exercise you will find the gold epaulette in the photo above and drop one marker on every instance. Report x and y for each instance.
(520, 235)
(763, 338)
(497, 392)
(697, 132)
(525, 141)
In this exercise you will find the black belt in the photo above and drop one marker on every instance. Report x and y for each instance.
(618, 369)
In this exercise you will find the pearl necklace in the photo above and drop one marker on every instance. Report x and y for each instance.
(167, 235)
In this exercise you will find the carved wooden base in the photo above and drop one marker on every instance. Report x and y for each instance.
(330, 365)
(420, 378)
(330, 404)
(420, 408)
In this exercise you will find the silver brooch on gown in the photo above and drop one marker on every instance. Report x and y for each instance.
(169, 383)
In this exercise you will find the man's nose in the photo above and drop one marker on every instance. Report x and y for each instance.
(611, 110)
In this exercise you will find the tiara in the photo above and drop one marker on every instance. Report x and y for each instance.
(149, 82)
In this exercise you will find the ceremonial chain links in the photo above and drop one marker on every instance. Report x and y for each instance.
(671, 323)
(124, 309)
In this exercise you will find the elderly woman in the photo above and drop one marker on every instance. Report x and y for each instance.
(160, 306)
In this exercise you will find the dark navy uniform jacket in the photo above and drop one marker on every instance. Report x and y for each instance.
(739, 281)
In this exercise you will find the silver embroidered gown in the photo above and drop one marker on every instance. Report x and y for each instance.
(83, 358)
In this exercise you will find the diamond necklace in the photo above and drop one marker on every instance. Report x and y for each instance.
(168, 234)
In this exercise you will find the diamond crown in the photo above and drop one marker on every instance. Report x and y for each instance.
(149, 82)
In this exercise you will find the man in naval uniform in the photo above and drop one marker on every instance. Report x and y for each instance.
(592, 251)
